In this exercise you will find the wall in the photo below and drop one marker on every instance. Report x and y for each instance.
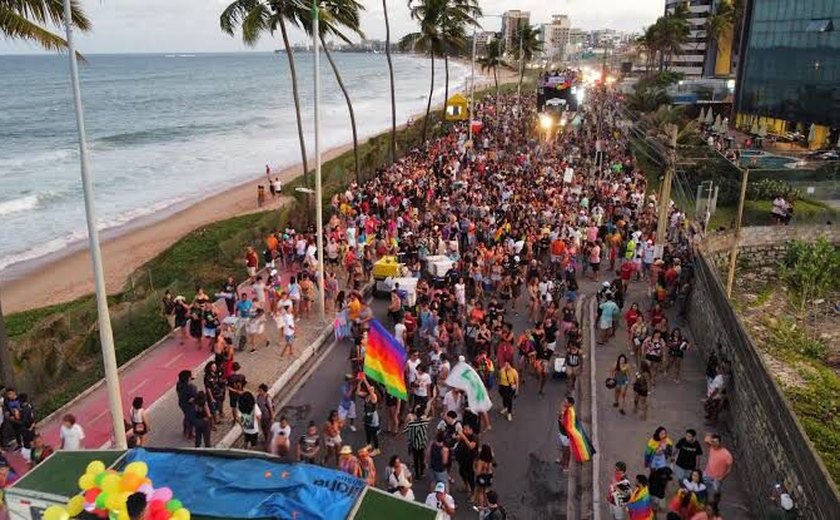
(764, 245)
(767, 437)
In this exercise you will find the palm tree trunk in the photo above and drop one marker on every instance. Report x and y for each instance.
(7, 371)
(521, 77)
(446, 81)
(393, 92)
(496, 81)
(349, 107)
(431, 92)
(296, 97)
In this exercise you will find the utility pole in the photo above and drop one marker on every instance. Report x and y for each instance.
(521, 68)
(472, 86)
(665, 195)
(319, 219)
(106, 335)
(733, 253)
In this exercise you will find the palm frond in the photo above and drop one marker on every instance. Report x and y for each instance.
(255, 23)
(14, 25)
(233, 14)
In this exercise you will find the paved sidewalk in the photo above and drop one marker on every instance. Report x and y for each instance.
(676, 406)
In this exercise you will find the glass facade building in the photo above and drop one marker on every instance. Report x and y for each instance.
(791, 63)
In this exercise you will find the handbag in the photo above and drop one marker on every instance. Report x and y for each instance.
(610, 382)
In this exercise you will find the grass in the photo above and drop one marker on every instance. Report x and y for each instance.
(757, 213)
(20, 323)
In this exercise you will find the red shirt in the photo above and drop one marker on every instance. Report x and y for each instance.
(251, 259)
(627, 269)
(504, 353)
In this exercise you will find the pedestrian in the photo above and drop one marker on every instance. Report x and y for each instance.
(202, 420)
(186, 392)
(209, 325)
(347, 404)
(441, 501)
(235, 388)
(465, 454)
(658, 451)
(167, 309)
(688, 452)
(281, 435)
(139, 422)
(718, 466)
(395, 473)
(621, 376)
(485, 466)
(250, 417)
(653, 348)
(71, 433)
(508, 386)
(415, 428)
(370, 415)
(640, 390)
(574, 360)
(266, 406)
(619, 493)
(439, 460)
(347, 462)
(332, 438)
(367, 468)
(288, 321)
(39, 451)
(691, 496)
(309, 445)
(606, 323)
(196, 315)
(677, 347)
(639, 506)
(251, 262)
(215, 388)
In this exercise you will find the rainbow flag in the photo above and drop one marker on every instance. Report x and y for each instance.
(385, 360)
(639, 505)
(579, 442)
(651, 448)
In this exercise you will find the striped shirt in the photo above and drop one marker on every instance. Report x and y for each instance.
(416, 430)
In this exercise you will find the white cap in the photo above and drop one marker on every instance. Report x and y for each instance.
(786, 502)
(440, 487)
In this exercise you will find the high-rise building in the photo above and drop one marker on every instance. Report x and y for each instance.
(692, 60)
(512, 22)
(789, 78)
(555, 38)
(482, 38)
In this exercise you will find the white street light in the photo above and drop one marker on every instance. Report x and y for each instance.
(106, 335)
(319, 224)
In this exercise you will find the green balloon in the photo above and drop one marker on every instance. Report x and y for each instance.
(174, 505)
(102, 500)
(99, 478)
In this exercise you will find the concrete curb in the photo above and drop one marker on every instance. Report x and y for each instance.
(596, 458)
(308, 353)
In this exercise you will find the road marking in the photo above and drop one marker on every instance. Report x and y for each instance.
(596, 458)
(173, 360)
(101, 414)
(137, 386)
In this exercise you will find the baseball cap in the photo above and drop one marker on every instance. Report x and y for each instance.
(440, 487)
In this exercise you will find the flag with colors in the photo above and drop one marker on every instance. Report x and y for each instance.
(464, 377)
(579, 442)
(385, 360)
(639, 506)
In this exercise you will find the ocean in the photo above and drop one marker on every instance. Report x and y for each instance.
(168, 130)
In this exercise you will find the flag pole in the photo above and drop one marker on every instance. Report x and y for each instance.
(319, 220)
(106, 335)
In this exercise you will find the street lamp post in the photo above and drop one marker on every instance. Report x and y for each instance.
(319, 224)
(472, 84)
(106, 335)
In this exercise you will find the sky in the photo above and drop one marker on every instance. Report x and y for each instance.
(121, 26)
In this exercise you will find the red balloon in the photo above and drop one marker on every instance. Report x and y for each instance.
(156, 505)
(101, 513)
(91, 494)
(161, 514)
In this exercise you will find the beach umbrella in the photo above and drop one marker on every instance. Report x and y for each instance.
(812, 133)
(710, 117)
(106, 335)
(718, 127)
(702, 117)
(754, 129)
(762, 131)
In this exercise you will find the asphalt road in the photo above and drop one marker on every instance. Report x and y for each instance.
(529, 482)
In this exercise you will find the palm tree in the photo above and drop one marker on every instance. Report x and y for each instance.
(24, 20)
(529, 46)
(492, 60)
(429, 14)
(335, 14)
(391, 75)
(458, 14)
(254, 18)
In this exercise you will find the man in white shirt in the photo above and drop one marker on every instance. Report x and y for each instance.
(422, 384)
(400, 331)
(71, 434)
(453, 401)
(441, 501)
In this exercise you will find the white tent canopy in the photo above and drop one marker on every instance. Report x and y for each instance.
(702, 117)
(812, 133)
(710, 117)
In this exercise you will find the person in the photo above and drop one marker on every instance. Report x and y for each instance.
(370, 415)
(639, 504)
(688, 451)
(640, 390)
(718, 466)
(441, 501)
(186, 392)
(606, 323)
(135, 506)
(710, 512)
(195, 316)
(367, 468)
(574, 360)
(691, 496)
(677, 346)
(438, 459)
(167, 309)
(251, 262)
(415, 428)
(621, 376)
(347, 462)
(266, 406)
(71, 433)
(235, 387)
(404, 490)
(309, 445)
(332, 438)
(484, 468)
(288, 322)
(347, 404)
(508, 386)
(209, 325)
(250, 417)
(139, 421)
(395, 473)
(202, 420)
(39, 450)
(493, 510)
(465, 454)
(619, 492)
(658, 451)
(421, 387)
(653, 348)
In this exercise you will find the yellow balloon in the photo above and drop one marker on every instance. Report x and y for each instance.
(138, 468)
(75, 505)
(123, 515)
(55, 513)
(111, 483)
(181, 514)
(96, 467)
(123, 499)
(113, 502)
(86, 482)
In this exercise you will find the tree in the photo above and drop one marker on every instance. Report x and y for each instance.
(492, 60)
(393, 149)
(256, 17)
(457, 15)
(429, 14)
(24, 20)
(528, 47)
(335, 14)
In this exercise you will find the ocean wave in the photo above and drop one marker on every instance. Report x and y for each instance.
(19, 204)
(41, 249)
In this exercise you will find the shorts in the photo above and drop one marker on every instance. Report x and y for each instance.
(252, 271)
(233, 399)
(347, 413)
(332, 442)
(208, 332)
(573, 371)
(653, 359)
(251, 439)
(290, 338)
(617, 512)
(596, 266)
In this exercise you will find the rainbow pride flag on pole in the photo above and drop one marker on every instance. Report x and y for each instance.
(639, 505)
(385, 360)
(579, 442)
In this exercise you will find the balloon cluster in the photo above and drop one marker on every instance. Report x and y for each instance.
(105, 494)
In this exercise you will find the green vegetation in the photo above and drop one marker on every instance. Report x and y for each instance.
(769, 189)
(811, 270)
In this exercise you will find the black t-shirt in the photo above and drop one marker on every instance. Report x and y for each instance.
(463, 454)
(688, 453)
(659, 481)
(573, 359)
(210, 320)
(236, 381)
(180, 313)
(551, 333)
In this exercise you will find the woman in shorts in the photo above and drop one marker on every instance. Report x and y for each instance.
(485, 466)
(332, 438)
(677, 345)
(621, 375)
(653, 348)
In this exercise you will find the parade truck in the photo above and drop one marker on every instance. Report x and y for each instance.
(209, 484)
(559, 91)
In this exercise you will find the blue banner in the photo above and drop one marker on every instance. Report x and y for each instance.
(226, 486)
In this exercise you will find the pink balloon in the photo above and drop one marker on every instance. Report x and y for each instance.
(163, 494)
(147, 490)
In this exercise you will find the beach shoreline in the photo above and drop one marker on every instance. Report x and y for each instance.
(66, 274)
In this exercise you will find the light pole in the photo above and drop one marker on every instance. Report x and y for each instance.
(472, 85)
(319, 224)
(106, 335)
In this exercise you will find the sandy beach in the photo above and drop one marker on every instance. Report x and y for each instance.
(67, 274)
